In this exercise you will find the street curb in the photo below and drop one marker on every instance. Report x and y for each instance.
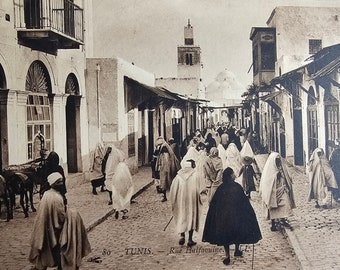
(300, 255)
(111, 212)
(291, 237)
(293, 241)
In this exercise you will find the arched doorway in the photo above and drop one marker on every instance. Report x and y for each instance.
(72, 122)
(312, 121)
(3, 117)
(39, 111)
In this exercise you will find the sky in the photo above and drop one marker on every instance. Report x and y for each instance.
(147, 32)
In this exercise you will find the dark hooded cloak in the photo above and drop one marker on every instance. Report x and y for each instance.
(231, 218)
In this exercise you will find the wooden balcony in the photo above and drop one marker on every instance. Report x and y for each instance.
(49, 25)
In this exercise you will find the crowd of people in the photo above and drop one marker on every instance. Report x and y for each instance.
(204, 170)
(217, 167)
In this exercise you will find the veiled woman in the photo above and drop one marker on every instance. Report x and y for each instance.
(222, 149)
(97, 177)
(167, 164)
(204, 170)
(230, 218)
(233, 158)
(276, 190)
(321, 178)
(248, 152)
(215, 178)
(119, 182)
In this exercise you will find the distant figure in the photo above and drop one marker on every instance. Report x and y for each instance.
(334, 161)
(215, 178)
(104, 161)
(247, 151)
(203, 167)
(168, 165)
(174, 146)
(276, 190)
(217, 138)
(321, 178)
(119, 182)
(185, 144)
(51, 165)
(222, 149)
(230, 218)
(248, 176)
(97, 177)
(154, 169)
(210, 142)
(233, 157)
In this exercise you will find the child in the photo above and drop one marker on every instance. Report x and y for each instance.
(249, 174)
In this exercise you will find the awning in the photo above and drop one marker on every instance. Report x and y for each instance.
(142, 96)
(328, 69)
(270, 100)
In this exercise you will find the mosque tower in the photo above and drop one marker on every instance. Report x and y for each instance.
(189, 56)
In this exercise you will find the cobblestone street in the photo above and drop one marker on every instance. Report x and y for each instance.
(140, 241)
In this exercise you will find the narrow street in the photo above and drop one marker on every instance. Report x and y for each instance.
(140, 242)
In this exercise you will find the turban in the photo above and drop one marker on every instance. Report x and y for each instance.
(54, 177)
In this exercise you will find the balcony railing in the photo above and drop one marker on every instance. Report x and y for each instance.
(60, 16)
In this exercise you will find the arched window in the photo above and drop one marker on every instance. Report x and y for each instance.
(3, 84)
(71, 85)
(39, 114)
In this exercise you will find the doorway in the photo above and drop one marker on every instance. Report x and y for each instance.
(72, 123)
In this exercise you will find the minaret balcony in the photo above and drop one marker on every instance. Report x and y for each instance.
(49, 25)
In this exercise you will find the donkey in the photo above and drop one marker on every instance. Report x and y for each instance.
(21, 180)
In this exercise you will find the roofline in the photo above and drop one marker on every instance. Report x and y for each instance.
(255, 30)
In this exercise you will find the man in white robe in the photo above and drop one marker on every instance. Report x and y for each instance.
(185, 198)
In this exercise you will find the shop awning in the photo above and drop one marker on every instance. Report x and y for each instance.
(270, 100)
(142, 96)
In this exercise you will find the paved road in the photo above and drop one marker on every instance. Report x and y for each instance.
(140, 242)
(316, 235)
(313, 244)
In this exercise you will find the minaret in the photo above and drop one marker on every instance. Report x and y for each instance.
(189, 56)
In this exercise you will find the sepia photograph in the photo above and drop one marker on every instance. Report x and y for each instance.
(169, 134)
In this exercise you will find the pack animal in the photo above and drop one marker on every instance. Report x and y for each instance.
(19, 180)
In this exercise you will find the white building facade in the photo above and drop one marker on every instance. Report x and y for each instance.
(42, 82)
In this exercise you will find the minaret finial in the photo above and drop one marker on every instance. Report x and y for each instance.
(189, 22)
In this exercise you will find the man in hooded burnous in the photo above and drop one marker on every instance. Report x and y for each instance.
(185, 198)
(59, 238)
(167, 165)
